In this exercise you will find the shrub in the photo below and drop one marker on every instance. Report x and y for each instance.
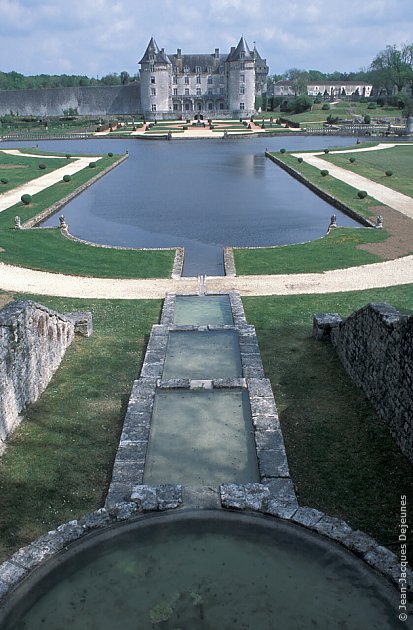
(326, 106)
(110, 154)
(42, 166)
(324, 172)
(326, 150)
(68, 156)
(4, 180)
(372, 105)
(389, 173)
(66, 178)
(361, 194)
(184, 127)
(352, 160)
(367, 119)
(300, 159)
(92, 164)
(282, 150)
(26, 199)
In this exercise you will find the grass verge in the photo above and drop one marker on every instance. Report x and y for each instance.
(342, 458)
(336, 250)
(49, 250)
(59, 461)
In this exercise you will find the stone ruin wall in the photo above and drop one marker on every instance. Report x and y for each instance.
(33, 341)
(375, 346)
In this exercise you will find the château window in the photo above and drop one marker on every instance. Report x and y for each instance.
(198, 79)
(186, 91)
(186, 80)
(151, 57)
(242, 66)
(210, 106)
(242, 55)
(152, 67)
(242, 106)
(175, 79)
(242, 78)
(198, 91)
(209, 70)
(221, 91)
(242, 90)
(210, 92)
(175, 91)
(221, 69)
(186, 69)
(153, 107)
(209, 79)
(198, 69)
(152, 79)
(153, 92)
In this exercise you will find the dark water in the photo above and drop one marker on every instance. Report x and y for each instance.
(199, 194)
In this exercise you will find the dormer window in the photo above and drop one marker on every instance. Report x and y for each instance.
(242, 66)
(198, 69)
(242, 55)
(151, 57)
(209, 70)
(152, 67)
(186, 68)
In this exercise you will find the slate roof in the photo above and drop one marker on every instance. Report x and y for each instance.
(159, 56)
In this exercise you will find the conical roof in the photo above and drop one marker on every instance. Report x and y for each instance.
(153, 54)
(235, 55)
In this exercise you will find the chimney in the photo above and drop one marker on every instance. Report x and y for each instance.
(232, 49)
(179, 52)
(216, 53)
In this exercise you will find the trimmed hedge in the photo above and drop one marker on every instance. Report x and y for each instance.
(389, 173)
(66, 178)
(26, 199)
(92, 164)
(324, 172)
(4, 180)
(362, 194)
(42, 166)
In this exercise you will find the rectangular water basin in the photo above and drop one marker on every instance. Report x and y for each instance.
(205, 354)
(200, 310)
(201, 437)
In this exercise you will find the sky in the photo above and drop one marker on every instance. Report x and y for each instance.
(99, 37)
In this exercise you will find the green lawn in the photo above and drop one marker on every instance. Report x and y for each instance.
(343, 109)
(337, 250)
(341, 456)
(49, 250)
(374, 164)
(19, 169)
(59, 461)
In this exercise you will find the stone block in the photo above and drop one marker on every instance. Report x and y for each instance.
(333, 528)
(282, 490)
(265, 422)
(169, 496)
(233, 496)
(273, 464)
(323, 323)
(95, 520)
(82, 321)
(256, 497)
(308, 517)
(269, 440)
(145, 497)
(70, 531)
(282, 509)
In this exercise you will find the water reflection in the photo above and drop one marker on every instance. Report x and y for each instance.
(202, 195)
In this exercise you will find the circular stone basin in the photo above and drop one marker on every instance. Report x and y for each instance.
(204, 569)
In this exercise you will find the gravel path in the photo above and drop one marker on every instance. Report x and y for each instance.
(389, 273)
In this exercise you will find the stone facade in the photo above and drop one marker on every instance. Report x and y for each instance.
(203, 85)
(375, 346)
(33, 341)
(326, 89)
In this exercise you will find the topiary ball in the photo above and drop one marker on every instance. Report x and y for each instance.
(361, 194)
(300, 159)
(42, 166)
(324, 172)
(110, 154)
(389, 173)
(352, 160)
(92, 164)
(26, 199)
(66, 178)
(326, 150)
(282, 150)
(68, 156)
(4, 180)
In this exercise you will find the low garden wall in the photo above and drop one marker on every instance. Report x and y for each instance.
(375, 346)
(33, 341)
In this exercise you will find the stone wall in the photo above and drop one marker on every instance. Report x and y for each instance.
(88, 101)
(375, 346)
(33, 341)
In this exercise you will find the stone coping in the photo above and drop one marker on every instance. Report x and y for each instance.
(275, 499)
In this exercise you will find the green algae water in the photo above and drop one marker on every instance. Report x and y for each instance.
(206, 572)
(201, 437)
(202, 355)
(201, 310)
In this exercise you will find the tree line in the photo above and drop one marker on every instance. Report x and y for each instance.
(15, 81)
